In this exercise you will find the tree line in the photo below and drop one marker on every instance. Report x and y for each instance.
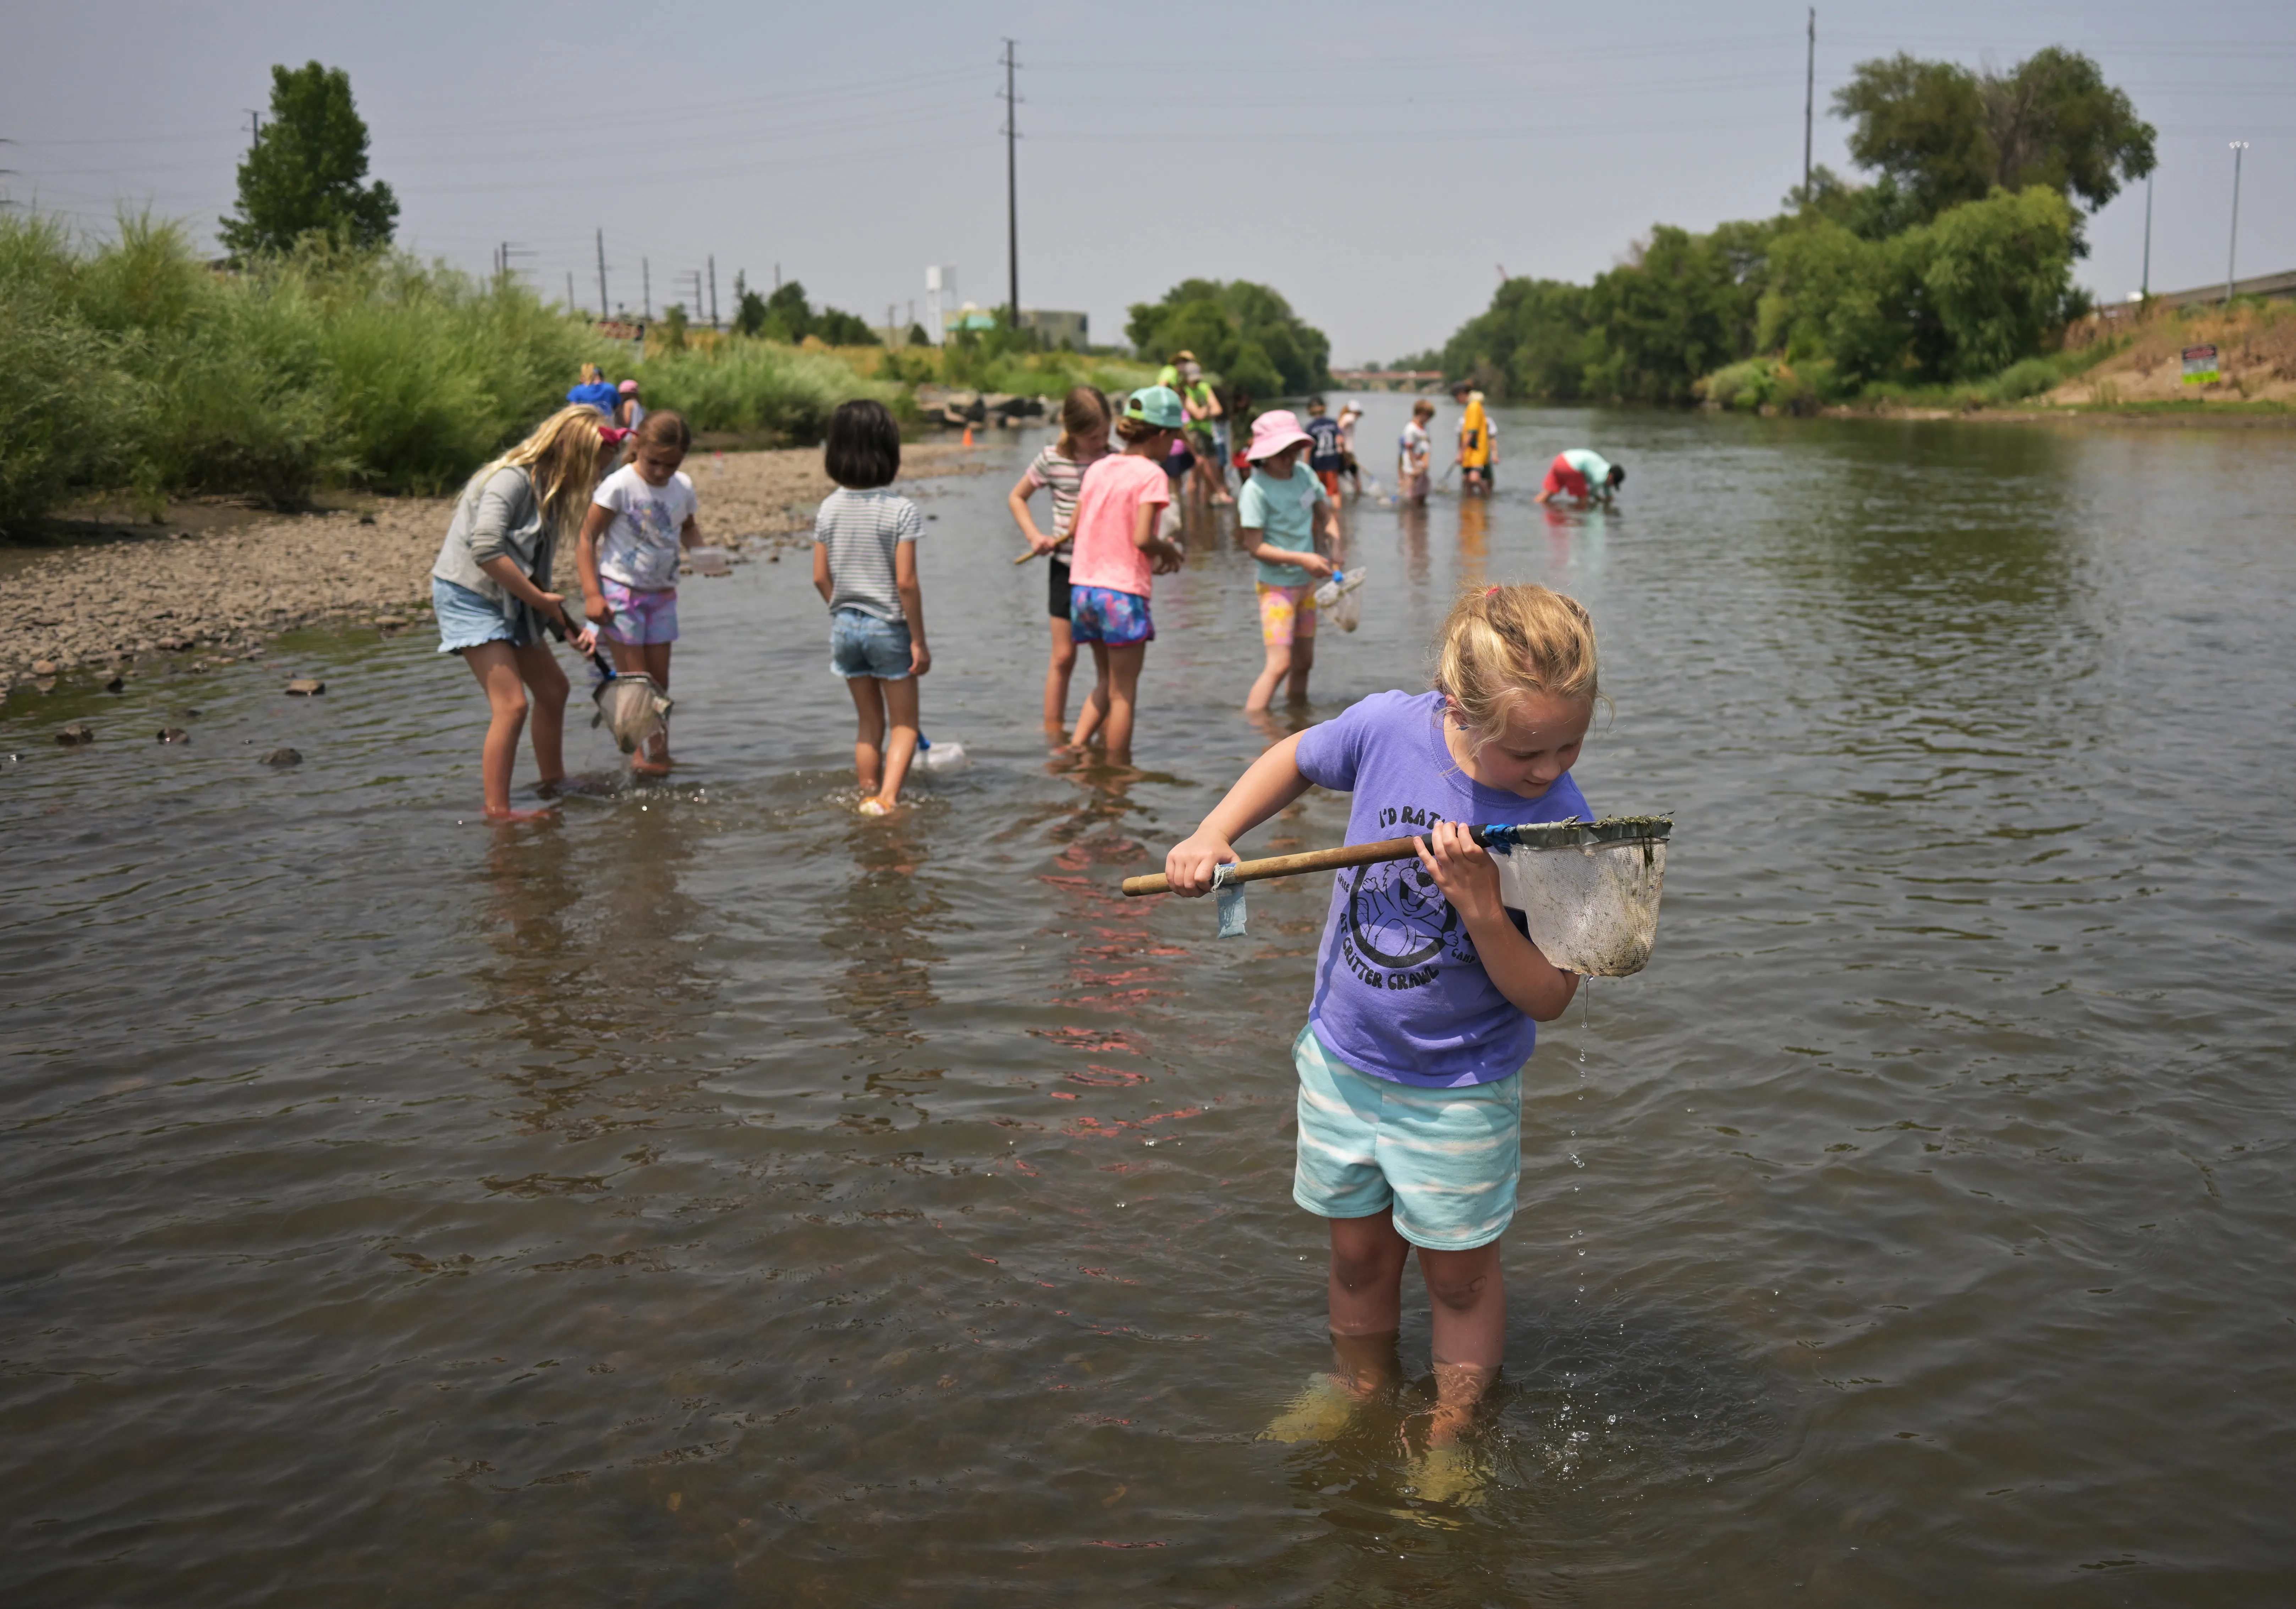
(1952, 263)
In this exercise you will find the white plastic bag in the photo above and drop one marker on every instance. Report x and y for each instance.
(1340, 599)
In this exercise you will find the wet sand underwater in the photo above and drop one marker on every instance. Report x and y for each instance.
(713, 1196)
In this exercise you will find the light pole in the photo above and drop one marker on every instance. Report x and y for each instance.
(2145, 284)
(2232, 250)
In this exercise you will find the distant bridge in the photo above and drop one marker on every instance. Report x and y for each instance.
(1389, 380)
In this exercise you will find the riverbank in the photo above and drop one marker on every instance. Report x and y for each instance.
(219, 579)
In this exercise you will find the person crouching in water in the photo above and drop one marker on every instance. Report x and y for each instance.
(490, 590)
(641, 520)
(1581, 474)
(864, 566)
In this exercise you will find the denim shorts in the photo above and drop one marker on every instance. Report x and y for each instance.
(467, 619)
(1101, 615)
(1446, 1160)
(862, 645)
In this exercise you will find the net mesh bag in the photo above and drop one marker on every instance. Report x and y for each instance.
(1588, 893)
(631, 708)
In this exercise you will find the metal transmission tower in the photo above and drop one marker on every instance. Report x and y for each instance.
(1011, 190)
(604, 312)
(503, 253)
(713, 289)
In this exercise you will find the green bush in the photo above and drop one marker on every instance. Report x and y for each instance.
(755, 385)
(132, 364)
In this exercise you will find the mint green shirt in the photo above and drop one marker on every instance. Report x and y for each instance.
(1283, 513)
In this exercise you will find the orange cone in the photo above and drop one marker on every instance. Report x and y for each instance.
(968, 435)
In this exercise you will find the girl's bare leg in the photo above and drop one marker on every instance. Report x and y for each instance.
(1123, 686)
(1263, 686)
(1468, 1290)
(1303, 658)
(497, 666)
(1096, 703)
(868, 742)
(1057, 675)
(902, 746)
(657, 666)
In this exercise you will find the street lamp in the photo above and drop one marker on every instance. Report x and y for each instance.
(2232, 250)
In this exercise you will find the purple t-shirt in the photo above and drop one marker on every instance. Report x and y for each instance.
(1399, 990)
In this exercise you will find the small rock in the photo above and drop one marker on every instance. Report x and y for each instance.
(191, 715)
(283, 757)
(304, 686)
(78, 732)
(388, 622)
(173, 735)
(366, 519)
(44, 667)
(117, 684)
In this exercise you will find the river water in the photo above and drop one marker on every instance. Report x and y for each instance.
(717, 1197)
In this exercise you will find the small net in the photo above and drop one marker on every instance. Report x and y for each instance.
(1588, 892)
(631, 708)
(1340, 599)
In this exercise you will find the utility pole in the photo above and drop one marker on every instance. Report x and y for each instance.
(254, 129)
(1011, 190)
(713, 289)
(503, 253)
(693, 277)
(1808, 103)
(602, 312)
(569, 290)
(2145, 284)
(777, 276)
(646, 278)
(2232, 250)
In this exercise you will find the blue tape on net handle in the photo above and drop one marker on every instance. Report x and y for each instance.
(1230, 896)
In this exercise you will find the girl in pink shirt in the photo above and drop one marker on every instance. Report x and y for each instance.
(1117, 553)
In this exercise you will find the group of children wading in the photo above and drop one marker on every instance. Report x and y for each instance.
(1427, 991)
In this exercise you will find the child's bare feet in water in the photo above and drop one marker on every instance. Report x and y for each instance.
(873, 806)
(506, 816)
(646, 765)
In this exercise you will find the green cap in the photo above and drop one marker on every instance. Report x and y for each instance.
(1156, 404)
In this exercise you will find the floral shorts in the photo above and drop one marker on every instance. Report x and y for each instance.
(1101, 615)
(1285, 612)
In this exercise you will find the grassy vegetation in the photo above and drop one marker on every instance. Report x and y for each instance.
(134, 364)
(1778, 386)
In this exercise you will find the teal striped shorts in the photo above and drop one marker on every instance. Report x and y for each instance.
(1447, 1161)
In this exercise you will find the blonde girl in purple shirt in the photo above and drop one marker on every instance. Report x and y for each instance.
(1428, 992)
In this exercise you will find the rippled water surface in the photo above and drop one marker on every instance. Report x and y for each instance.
(715, 1197)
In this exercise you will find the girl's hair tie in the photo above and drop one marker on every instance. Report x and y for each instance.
(1493, 592)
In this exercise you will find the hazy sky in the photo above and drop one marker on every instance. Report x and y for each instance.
(1377, 163)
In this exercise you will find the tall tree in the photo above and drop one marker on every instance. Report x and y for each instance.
(1942, 135)
(303, 177)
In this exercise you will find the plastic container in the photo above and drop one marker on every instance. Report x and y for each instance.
(710, 561)
(940, 757)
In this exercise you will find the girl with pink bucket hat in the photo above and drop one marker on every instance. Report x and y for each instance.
(1276, 520)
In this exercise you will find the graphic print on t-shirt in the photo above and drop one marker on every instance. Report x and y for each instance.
(1397, 920)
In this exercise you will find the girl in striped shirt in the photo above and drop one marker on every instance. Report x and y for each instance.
(1084, 440)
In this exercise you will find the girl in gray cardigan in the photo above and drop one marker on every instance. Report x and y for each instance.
(491, 589)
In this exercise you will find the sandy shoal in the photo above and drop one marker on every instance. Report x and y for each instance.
(134, 590)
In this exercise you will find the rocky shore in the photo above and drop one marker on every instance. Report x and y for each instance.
(124, 592)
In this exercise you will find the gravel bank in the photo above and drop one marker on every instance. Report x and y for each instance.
(157, 589)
